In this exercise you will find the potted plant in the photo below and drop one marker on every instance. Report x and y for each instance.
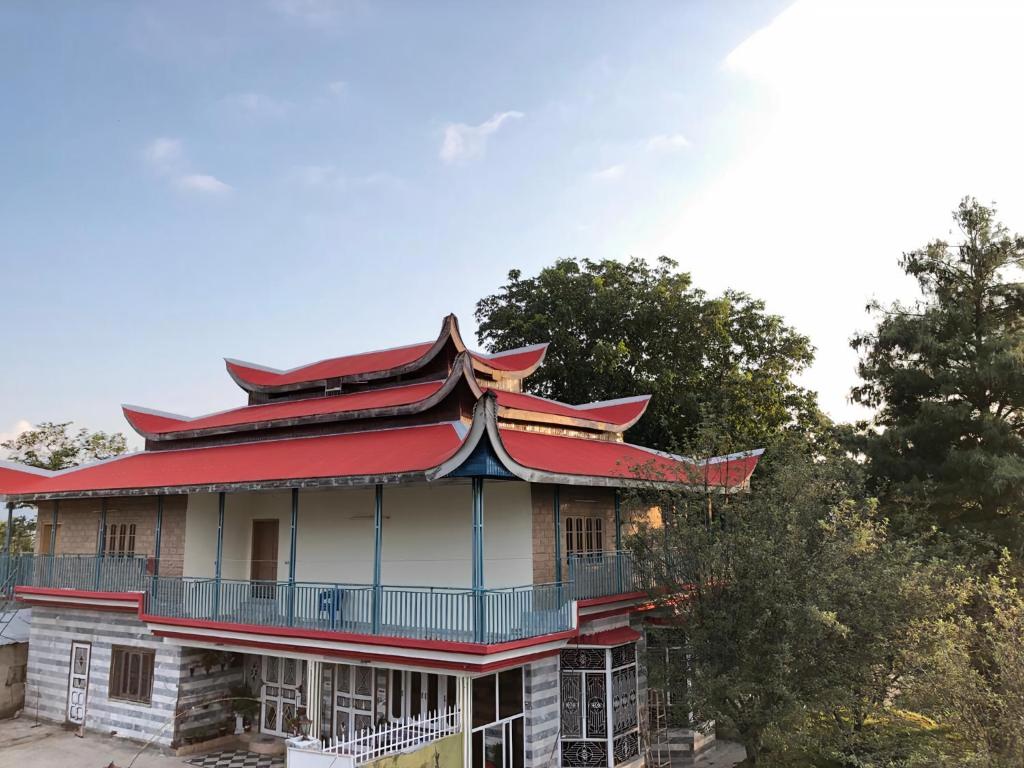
(245, 707)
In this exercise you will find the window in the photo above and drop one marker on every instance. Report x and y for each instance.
(498, 720)
(131, 674)
(584, 535)
(121, 540)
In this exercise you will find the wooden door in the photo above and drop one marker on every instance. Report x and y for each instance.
(264, 550)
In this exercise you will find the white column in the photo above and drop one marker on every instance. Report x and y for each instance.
(464, 701)
(313, 680)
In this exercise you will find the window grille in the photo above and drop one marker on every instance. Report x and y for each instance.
(131, 674)
(584, 535)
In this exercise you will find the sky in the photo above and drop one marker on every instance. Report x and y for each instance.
(287, 180)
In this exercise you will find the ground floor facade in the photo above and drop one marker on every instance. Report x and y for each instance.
(582, 705)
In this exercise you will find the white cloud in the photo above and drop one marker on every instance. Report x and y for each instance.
(338, 87)
(611, 173)
(462, 142)
(668, 142)
(21, 425)
(202, 182)
(164, 153)
(869, 121)
(167, 158)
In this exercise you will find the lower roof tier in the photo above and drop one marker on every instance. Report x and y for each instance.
(431, 452)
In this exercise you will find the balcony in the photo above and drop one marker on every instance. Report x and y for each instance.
(603, 574)
(448, 614)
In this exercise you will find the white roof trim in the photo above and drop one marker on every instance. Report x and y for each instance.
(27, 469)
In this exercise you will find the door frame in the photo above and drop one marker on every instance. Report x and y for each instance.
(72, 689)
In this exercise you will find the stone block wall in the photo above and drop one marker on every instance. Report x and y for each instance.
(78, 522)
(186, 695)
(542, 714)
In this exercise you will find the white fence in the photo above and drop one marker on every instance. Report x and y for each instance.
(371, 743)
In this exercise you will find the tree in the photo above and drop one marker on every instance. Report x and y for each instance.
(798, 603)
(630, 327)
(23, 534)
(54, 446)
(946, 375)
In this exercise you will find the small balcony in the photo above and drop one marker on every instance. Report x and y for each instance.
(603, 574)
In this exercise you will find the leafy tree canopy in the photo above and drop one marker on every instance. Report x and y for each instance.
(801, 608)
(53, 446)
(624, 328)
(946, 375)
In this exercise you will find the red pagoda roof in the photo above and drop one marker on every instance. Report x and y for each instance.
(385, 363)
(14, 477)
(150, 423)
(380, 453)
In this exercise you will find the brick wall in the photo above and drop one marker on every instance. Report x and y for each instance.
(573, 501)
(78, 522)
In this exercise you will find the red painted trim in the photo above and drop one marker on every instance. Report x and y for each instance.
(477, 649)
(590, 618)
(355, 655)
(611, 599)
(132, 597)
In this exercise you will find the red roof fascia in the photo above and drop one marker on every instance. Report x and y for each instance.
(610, 637)
(513, 361)
(616, 412)
(348, 365)
(354, 454)
(157, 423)
(603, 458)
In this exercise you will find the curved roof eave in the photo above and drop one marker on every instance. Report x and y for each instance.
(485, 426)
(461, 372)
(449, 330)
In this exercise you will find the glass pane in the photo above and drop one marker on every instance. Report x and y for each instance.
(572, 705)
(415, 694)
(452, 695)
(344, 678)
(478, 749)
(597, 706)
(396, 695)
(516, 748)
(432, 703)
(363, 681)
(510, 691)
(494, 746)
(270, 669)
(483, 700)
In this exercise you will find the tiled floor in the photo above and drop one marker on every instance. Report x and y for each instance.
(236, 759)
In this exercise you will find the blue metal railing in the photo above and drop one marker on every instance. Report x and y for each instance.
(423, 613)
(119, 573)
(602, 574)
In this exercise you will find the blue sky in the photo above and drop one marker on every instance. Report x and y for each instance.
(287, 180)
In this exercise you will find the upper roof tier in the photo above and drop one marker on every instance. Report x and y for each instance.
(386, 364)
(613, 416)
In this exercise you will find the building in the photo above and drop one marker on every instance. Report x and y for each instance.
(371, 540)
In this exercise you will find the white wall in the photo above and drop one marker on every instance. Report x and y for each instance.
(427, 534)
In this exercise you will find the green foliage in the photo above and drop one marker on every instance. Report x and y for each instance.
(54, 446)
(946, 375)
(22, 536)
(634, 328)
(799, 600)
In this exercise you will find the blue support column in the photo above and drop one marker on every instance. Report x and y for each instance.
(221, 501)
(157, 535)
(378, 553)
(292, 550)
(101, 543)
(618, 540)
(478, 558)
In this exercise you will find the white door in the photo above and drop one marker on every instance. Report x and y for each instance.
(353, 699)
(279, 694)
(78, 682)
